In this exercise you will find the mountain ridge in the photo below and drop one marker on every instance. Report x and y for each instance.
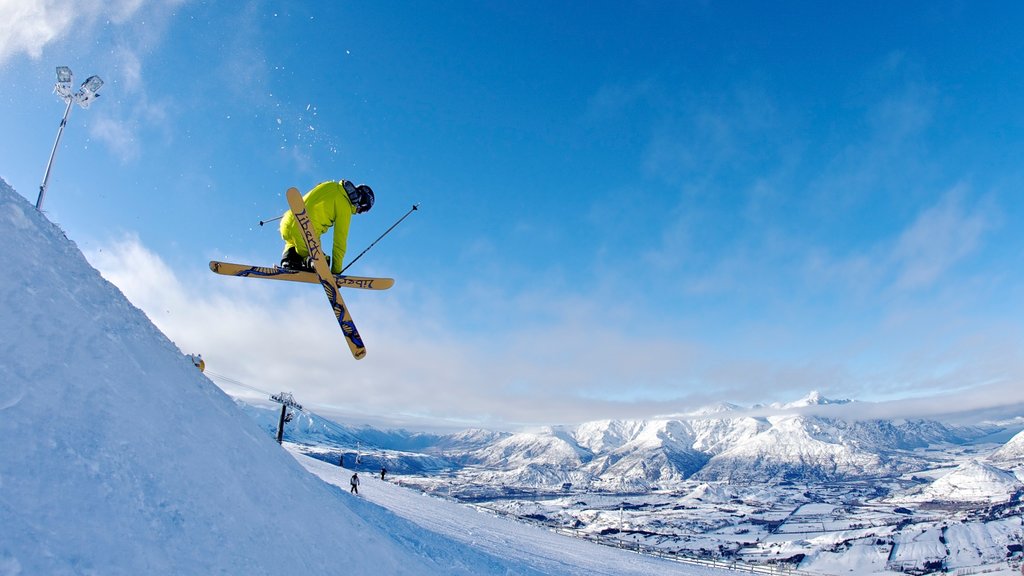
(658, 453)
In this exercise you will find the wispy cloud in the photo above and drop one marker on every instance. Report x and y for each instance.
(962, 408)
(940, 237)
(118, 135)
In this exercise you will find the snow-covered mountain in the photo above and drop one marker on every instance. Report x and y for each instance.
(813, 398)
(973, 482)
(552, 447)
(720, 443)
(466, 441)
(710, 493)
(717, 445)
(658, 452)
(793, 448)
(1012, 451)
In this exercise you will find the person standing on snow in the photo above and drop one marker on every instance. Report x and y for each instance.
(354, 482)
(328, 204)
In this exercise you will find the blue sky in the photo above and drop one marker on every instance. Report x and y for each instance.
(626, 209)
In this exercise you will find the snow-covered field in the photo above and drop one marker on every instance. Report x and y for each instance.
(822, 528)
(540, 548)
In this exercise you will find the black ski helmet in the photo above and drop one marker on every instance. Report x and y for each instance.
(360, 196)
(365, 198)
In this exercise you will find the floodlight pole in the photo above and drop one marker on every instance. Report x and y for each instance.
(84, 96)
(56, 144)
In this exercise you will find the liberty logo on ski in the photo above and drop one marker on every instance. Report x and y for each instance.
(312, 241)
(289, 275)
(323, 271)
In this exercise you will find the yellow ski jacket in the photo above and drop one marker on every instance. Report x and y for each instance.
(328, 205)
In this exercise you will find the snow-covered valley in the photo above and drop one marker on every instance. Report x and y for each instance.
(828, 496)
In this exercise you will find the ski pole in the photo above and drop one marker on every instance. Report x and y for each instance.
(411, 210)
(262, 222)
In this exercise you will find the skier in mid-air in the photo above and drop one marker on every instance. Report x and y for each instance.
(329, 204)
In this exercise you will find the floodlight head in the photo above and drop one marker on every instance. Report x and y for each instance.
(92, 84)
(63, 85)
(89, 91)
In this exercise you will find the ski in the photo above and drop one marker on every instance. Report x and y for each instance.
(327, 280)
(278, 273)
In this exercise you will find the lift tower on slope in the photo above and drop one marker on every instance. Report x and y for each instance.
(286, 400)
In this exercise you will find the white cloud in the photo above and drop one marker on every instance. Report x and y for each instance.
(967, 407)
(26, 26)
(118, 135)
(129, 67)
(940, 237)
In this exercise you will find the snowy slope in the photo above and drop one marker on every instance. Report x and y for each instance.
(973, 481)
(119, 457)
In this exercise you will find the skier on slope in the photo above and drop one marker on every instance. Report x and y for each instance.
(354, 482)
(329, 204)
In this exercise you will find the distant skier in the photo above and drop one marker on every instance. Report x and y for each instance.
(354, 482)
(329, 204)
(383, 471)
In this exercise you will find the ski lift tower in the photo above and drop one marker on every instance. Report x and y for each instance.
(286, 400)
(87, 92)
